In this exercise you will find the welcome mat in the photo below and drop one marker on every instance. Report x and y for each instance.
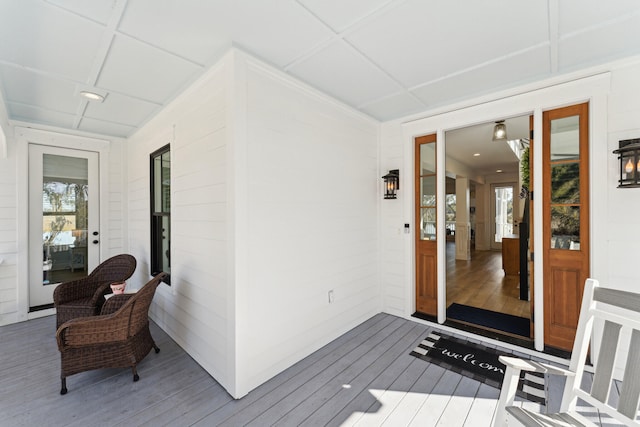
(490, 319)
(478, 362)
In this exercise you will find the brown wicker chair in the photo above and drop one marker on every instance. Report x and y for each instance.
(117, 338)
(84, 297)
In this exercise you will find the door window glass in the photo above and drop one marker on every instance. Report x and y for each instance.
(565, 183)
(427, 199)
(64, 218)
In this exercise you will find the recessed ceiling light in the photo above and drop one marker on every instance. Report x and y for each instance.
(92, 96)
(476, 154)
(499, 170)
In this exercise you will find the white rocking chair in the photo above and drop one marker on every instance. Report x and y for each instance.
(620, 311)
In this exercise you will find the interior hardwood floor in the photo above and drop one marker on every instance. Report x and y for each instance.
(481, 282)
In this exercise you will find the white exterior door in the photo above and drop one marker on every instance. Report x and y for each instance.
(64, 238)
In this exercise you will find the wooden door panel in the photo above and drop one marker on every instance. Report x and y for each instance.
(426, 225)
(565, 205)
(566, 293)
(426, 280)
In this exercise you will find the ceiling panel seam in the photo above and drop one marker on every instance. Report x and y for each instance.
(554, 30)
(338, 35)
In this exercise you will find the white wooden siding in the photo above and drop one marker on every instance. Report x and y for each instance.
(312, 227)
(393, 251)
(264, 163)
(621, 250)
(8, 236)
(115, 222)
(194, 309)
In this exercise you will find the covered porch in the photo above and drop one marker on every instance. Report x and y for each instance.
(364, 377)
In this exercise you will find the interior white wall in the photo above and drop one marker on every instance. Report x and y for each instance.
(614, 93)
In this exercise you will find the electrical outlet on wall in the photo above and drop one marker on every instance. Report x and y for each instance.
(331, 296)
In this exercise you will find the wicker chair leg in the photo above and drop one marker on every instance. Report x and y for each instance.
(63, 390)
(136, 377)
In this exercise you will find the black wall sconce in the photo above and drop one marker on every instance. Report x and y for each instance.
(629, 156)
(391, 183)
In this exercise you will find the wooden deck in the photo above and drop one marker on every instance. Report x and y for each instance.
(365, 377)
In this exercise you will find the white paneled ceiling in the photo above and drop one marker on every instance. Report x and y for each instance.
(386, 58)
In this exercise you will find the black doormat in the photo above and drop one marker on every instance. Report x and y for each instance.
(478, 362)
(491, 319)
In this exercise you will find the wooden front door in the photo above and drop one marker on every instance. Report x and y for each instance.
(426, 219)
(565, 201)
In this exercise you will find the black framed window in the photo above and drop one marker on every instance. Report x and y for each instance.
(160, 162)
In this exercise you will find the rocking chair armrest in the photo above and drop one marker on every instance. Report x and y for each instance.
(511, 378)
(114, 303)
(532, 366)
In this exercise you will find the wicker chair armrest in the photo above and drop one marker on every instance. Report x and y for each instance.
(93, 330)
(114, 303)
(70, 291)
(100, 292)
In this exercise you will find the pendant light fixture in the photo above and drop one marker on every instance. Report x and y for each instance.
(500, 131)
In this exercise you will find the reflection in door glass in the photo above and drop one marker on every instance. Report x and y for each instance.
(64, 218)
(565, 183)
(428, 191)
(504, 212)
(565, 227)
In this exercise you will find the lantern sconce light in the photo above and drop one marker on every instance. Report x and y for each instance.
(629, 156)
(391, 183)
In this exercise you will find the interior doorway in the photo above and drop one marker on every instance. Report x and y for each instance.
(482, 293)
(503, 206)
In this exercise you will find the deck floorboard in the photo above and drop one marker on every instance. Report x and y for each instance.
(365, 377)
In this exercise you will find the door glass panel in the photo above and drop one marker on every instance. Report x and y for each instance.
(428, 190)
(428, 159)
(427, 197)
(565, 183)
(565, 141)
(504, 212)
(64, 218)
(428, 224)
(565, 227)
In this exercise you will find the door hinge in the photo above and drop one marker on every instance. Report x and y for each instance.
(531, 195)
(531, 134)
(531, 256)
